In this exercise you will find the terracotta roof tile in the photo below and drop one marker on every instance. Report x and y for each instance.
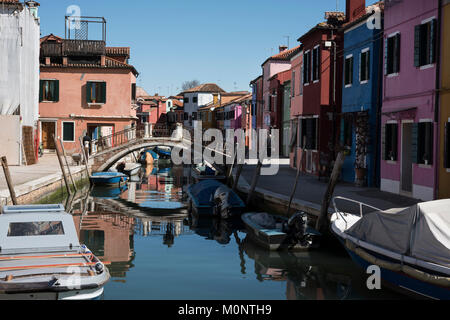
(207, 87)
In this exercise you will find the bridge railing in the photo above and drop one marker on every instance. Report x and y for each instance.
(129, 135)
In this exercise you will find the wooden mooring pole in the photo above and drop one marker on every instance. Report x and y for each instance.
(67, 164)
(322, 222)
(85, 157)
(254, 182)
(58, 155)
(8, 180)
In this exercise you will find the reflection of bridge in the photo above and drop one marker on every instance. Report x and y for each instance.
(106, 151)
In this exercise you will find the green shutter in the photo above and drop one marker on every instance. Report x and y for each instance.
(41, 88)
(417, 46)
(433, 33)
(56, 90)
(383, 143)
(103, 92)
(415, 143)
(88, 92)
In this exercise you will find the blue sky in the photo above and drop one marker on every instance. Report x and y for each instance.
(219, 41)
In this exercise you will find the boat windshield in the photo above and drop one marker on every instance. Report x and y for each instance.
(40, 228)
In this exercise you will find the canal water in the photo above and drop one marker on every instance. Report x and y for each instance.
(156, 251)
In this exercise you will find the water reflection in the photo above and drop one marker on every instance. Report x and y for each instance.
(151, 242)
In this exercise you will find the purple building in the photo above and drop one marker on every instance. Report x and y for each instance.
(409, 112)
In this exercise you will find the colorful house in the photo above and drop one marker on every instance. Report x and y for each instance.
(409, 134)
(444, 153)
(321, 80)
(257, 107)
(84, 86)
(272, 66)
(196, 98)
(361, 96)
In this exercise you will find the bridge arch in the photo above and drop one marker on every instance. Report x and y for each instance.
(107, 159)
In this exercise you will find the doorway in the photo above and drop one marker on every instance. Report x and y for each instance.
(48, 130)
(407, 164)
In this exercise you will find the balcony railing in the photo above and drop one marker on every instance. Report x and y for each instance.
(73, 48)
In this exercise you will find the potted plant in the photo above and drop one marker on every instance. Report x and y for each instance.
(362, 141)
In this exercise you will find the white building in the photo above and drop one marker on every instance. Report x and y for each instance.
(19, 77)
(196, 98)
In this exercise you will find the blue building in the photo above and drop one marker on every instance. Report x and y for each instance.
(361, 96)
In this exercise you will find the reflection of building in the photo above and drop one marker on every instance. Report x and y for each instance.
(110, 237)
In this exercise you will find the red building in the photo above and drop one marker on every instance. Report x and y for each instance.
(321, 80)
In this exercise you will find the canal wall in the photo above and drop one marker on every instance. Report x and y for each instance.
(32, 191)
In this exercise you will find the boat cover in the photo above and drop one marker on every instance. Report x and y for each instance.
(421, 231)
(204, 191)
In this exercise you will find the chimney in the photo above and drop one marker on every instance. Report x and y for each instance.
(354, 9)
(283, 48)
(103, 60)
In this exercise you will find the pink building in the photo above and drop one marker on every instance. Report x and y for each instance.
(87, 87)
(409, 128)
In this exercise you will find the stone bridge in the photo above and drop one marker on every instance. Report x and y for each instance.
(107, 151)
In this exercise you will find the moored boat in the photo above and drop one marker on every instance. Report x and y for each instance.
(108, 178)
(274, 232)
(411, 246)
(41, 257)
(213, 198)
(132, 169)
(205, 172)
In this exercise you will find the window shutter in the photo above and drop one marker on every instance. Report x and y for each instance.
(415, 143)
(56, 84)
(342, 132)
(41, 89)
(360, 66)
(417, 46)
(395, 141)
(429, 143)
(301, 80)
(433, 29)
(367, 76)
(386, 42)
(383, 143)
(397, 54)
(103, 92)
(88, 92)
(293, 84)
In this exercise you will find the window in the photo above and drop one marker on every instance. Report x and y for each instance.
(96, 92)
(186, 117)
(39, 228)
(301, 80)
(393, 54)
(425, 44)
(194, 100)
(348, 76)
(270, 102)
(306, 67)
(422, 145)
(390, 142)
(133, 93)
(49, 91)
(68, 131)
(364, 66)
(316, 64)
(194, 116)
(186, 100)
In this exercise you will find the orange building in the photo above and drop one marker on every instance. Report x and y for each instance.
(84, 86)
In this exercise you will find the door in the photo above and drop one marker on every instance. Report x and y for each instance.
(48, 131)
(407, 161)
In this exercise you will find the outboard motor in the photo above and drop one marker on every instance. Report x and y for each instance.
(296, 227)
(222, 206)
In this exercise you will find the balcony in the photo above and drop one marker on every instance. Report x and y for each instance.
(73, 48)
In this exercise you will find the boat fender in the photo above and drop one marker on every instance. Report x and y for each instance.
(371, 259)
(426, 277)
(99, 267)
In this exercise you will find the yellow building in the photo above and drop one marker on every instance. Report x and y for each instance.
(444, 168)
